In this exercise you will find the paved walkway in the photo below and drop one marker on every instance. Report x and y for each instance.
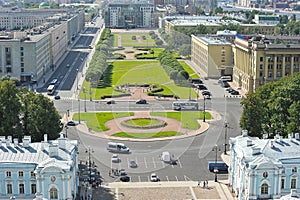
(166, 190)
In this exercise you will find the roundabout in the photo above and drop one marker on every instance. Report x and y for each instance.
(144, 123)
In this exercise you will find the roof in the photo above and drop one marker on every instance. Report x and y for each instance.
(275, 151)
(213, 41)
(38, 153)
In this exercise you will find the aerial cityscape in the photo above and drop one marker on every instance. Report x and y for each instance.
(158, 100)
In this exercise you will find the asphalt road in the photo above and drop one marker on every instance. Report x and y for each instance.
(192, 153)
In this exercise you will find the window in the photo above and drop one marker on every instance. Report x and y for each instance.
(21, 174)
(264, 188)
(53, 193)
(33, 188)
(294, 169)
(293, 183)
(9, 188)
(21, 48)
(32, 174)
(261, 59)
(282, 183)
(21, 188)
(265, 174)
(8, 174)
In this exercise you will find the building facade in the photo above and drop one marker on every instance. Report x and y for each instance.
(264, 168)
(130, 15)
(258, 61)
(212, 55)
(48, 167)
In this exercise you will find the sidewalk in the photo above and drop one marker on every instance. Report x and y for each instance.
(168, 190)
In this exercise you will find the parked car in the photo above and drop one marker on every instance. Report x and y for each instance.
(201, 87)
(154, 177)
(111, 102)
(229, 89)
(125, 178)
(234, 92)
(206, 96)
(123, 172)
(68, 65)
(115, 158)
(71, 123)
(141, 101)
(57, 97)
(225, 84)
(132, 164)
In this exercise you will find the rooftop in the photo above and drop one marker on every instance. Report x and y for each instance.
(213, 40)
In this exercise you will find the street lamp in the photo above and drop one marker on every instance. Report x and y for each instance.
(77, 78)
(204, 113)
(216, 149)
(84, 91)
(225, 144)
(90, 90)
(66, 127)
(78, 110)
(89, 151)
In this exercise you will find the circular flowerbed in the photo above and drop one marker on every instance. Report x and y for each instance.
(144, 123)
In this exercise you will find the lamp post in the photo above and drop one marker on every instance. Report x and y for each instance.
(225, 144)
(89, 151)
(204, 113)
(78, 110)
(77, 78)
(90, 90)
(84, 91)
(216, 149)
(66, 127)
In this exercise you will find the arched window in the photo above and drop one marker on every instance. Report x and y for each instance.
(53, 193)
(264, 188)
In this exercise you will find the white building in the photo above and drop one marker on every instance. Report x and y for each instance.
(49, 168)
(264, 168)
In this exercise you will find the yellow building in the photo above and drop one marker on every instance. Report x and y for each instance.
(257, 61)
(212, 55)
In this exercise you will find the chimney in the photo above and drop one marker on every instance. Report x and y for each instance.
(249, 143)
(16, 142)
(53, 150)
(28, 137)
(7, 142)
(290, 136)
(297, 136)
(62, 141)
(45, 138)
(9, 138)
(255, 151)
(271, 143)
(0, 143)
(244, 133)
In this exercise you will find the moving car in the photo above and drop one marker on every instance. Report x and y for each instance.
(234, 92)
(115, 158)
(68, 65)
(141, 101)
(111, 102)
(206, 92)
(71, 123)
(201, 87)
(125, 178)
(154, 177)
(132, 164)
(57, 97)
(117, 147)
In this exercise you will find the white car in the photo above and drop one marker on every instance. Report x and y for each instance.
(154, 177)
(115, 158)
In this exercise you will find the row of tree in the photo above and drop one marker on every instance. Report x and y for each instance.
(155, 37)
(173, 67)
(26, 113)
(273, 108)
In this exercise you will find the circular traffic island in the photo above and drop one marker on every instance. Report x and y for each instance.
(144, 123)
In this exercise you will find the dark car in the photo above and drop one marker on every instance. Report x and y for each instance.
(229, 89)
(57, 97)
(206, 92)
(71, 123)
(196, 80)
(125, 178)
(201, 87)
(225, 84)
(141, 101)
(234, 92)
(111, 102)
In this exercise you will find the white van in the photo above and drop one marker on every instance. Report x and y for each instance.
(117, 147)
(225, 78)
(165, 156)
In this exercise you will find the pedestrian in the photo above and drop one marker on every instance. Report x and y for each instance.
(206, 183)
(109, 173)
(203, 184)
(198, 183)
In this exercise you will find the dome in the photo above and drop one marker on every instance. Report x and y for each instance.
(44, 5)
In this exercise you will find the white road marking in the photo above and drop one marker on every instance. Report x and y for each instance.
(153, 162)
(145, 162)
(179, 163)
(139, 178)
(176, 178)
(167, 178)
(128, 163)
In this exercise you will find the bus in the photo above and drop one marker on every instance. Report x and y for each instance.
(51, 89)
(185, 105)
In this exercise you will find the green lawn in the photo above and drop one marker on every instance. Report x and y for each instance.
(143, 122)
(96, 121)
(126, 39)
(146, 135)
(187, 118)
(189, 69)
(138, 72)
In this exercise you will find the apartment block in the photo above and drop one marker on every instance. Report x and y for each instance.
(212, 55)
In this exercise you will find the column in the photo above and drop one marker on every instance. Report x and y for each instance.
(274, 66)
(292, 63)
(283, 66)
